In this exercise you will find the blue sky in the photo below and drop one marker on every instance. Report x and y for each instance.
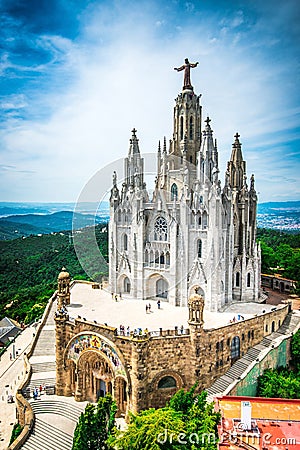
(77, 76)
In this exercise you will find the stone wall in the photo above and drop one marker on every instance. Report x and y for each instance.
(202, 355)
(277, 357)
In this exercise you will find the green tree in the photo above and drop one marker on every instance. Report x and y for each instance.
(188, 422)
(95, 425)
(152, 429)
(283, 382)
(268, 258)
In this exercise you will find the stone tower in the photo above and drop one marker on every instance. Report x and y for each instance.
(63, 292)
(61, 318)
(246, 276)
(192, 232)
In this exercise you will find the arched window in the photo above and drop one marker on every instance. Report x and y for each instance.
(204, 220)
(237, 279)
(156, 258)
(162, 288)
(160, 229)
(167, 382)
(191, 159)
(127, 285)
(167, 258)
(273, 326)
(248, 279)
(199, 248)
(125, 241)
(174, 192)
(162, 258)
(119, 216)
(146, 257)
(199, 219)
(181, 128)
(235, 348)
(191, 127)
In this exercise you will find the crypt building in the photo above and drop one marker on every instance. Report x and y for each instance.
(192, 244)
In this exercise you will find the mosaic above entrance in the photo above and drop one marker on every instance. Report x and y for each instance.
(87, 342)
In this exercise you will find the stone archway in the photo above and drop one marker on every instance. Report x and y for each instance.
(95, 376)
(124, 284)
(157, 287)
(95, 368)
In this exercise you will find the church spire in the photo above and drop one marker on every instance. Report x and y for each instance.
(208, 154)
(236, 154)
(134, 144)
(187, 122)
(134, 164)
(237, 165)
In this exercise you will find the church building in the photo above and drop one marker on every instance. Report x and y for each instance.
(191, 232)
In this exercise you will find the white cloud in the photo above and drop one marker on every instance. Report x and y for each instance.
(122, 76)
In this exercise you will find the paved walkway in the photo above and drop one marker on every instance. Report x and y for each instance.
(11, 374)
(99, 305)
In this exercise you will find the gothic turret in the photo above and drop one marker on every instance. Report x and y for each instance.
(187, 128)
(244, 200)
(196, 306)
(236, 165)
(63, 296)
(134, 164)
(208, 158)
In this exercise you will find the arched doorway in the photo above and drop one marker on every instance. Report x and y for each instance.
(162, 287)
(95, 376)
(235, 349)
(127, 285)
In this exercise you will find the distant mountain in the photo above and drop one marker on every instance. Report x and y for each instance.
(23, 219)
(23, 225)
(280, 205)
(279, 216)
(14, 208)
(14, 230)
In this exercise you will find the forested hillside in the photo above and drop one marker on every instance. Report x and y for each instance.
(29, 268)
(280, 251)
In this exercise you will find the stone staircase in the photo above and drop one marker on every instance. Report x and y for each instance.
(43, 367)
(236, 371)
(46, 341)
(51, 432)
(55, 417)
(46, 437)
(69, 410)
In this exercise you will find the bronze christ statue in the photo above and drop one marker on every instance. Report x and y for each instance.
(187, 73)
